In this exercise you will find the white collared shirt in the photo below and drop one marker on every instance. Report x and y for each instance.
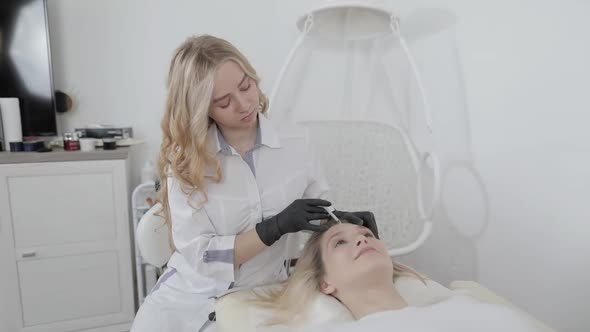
(281, 168)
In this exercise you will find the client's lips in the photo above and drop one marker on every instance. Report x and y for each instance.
(364, 250)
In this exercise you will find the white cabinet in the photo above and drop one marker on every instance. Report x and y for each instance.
(65, 247)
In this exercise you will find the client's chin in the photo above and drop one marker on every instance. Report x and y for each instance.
(373, 266)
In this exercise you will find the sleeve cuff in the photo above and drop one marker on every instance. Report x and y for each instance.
(219, 262)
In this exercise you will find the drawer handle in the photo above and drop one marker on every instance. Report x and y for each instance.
(29, 254)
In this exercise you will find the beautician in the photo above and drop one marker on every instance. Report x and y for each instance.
(232, 187)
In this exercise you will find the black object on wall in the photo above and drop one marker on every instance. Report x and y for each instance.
(63, 102)
(25, 64)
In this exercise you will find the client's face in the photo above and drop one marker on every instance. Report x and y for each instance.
(352, 256)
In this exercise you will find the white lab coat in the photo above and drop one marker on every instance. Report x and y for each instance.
(281, 168)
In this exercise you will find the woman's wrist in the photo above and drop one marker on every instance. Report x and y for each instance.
(246, 246)
(268, 231)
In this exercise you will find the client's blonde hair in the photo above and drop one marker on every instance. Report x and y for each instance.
(292, 297)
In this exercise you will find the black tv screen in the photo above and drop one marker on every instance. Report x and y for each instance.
(25, 64)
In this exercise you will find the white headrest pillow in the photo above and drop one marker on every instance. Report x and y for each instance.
(236, 313)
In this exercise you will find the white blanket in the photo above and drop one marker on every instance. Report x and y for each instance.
(459, 313)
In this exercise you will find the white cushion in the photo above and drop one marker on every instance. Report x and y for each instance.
(235, 313)
(153, 238)
(483, 294)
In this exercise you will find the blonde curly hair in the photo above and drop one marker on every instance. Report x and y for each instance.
(183, 152)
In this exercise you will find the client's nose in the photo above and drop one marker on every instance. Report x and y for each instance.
(361, 241)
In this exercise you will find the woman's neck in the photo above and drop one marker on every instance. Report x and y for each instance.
(242, 139)
(363, 301)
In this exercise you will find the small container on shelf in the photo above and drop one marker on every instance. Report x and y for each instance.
(71, 142)
(109, 143)
(87, 144)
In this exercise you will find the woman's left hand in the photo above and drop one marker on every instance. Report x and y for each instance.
(364, 218)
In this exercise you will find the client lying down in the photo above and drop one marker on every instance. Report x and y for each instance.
(350, 264)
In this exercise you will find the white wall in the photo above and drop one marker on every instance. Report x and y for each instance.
(527, 72)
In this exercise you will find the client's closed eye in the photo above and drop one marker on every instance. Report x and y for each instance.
(369, 234)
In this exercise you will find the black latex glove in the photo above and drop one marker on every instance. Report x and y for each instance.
(364, 218)
(292, 219)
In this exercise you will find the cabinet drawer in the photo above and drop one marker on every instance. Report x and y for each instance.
(67, 288)
(62, 208)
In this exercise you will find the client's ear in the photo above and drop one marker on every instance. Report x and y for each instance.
(327, 288)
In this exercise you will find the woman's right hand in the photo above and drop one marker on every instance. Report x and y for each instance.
(292, 219)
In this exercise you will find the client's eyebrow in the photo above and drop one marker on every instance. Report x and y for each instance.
(332, 236)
